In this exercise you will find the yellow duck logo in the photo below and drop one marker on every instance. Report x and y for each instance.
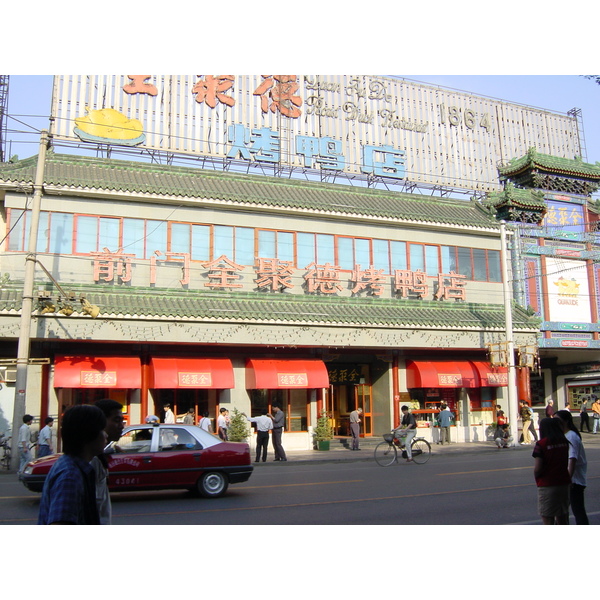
(109, 126)
(567, 287)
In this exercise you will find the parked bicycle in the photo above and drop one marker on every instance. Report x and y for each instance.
(6, 451)
(386, 453)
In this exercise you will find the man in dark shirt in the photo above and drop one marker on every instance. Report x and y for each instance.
(69, 494)
(407, 430)
(278, 418)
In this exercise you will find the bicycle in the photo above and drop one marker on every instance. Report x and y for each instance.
(7, 454)
(386, 452)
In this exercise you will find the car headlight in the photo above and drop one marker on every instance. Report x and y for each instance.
(28, 470)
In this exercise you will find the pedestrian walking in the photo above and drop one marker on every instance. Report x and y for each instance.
(551, 473)
(525, 414)
(584, 419)
(45, 438)
(577, 467)
(113, 412)
(595, 414)
(24, 441)
(355, 427)
(550, 408)
(69, 493)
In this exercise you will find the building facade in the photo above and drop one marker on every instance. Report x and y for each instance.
(556, 261)
(261, 273)
(218, 289)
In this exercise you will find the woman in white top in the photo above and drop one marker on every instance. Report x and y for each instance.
(577, 467)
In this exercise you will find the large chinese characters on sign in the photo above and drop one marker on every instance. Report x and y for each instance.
(274, 275)
(371, 126)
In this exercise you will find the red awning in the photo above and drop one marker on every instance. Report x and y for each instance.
(205, 373)
(122, 372)
(441, 374)
(285, 374)
(491, 376)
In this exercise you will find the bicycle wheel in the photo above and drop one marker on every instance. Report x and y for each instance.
(385, 454)
(421, 451)
(6, 460)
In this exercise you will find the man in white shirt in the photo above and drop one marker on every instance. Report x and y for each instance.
(45, 438)
(113, 411)
(263, 426)
(223, 424)
(169, 415)
(577, 467)
(24, 441)
(205, 422)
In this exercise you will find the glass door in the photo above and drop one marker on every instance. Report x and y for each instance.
(363, 399)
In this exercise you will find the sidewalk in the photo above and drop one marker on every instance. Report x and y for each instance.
(366, 453)
(341, 454)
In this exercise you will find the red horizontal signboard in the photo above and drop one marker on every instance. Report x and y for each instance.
(574, 343)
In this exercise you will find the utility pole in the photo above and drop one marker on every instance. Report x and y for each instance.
(513, 408)
(23, 348)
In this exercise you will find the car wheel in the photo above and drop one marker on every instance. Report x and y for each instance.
(212, 485)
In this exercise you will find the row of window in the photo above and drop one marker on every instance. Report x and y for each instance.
(62, 233)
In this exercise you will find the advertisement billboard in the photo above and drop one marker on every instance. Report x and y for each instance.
(568, 291)
(364, 126)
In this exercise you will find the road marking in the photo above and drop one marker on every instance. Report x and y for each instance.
(485, 471)
(261, 487)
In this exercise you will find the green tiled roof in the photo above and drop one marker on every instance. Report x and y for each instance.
(260, 308)
(522, 198)
(552, 164)
(77, 173)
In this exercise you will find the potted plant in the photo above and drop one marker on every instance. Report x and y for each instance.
(323, 431)
(238, 427)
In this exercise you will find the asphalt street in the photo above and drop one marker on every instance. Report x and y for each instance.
(462, 484)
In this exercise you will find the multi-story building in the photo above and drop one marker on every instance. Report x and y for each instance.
(238, 289)
(557, 271)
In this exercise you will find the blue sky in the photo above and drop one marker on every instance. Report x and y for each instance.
(30, 98)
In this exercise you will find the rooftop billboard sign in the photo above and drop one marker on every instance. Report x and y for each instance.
(355, 125)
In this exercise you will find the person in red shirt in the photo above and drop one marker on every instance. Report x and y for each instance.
(551, 472)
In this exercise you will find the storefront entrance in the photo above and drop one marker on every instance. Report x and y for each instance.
(349, 389)
(342, 399)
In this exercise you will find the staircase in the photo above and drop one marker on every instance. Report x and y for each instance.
(343, 443)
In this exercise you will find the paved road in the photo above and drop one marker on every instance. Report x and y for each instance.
(458, 486)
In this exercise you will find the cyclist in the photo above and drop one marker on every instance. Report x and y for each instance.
(407, 430)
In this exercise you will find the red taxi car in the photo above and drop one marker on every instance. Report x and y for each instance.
(164, 456)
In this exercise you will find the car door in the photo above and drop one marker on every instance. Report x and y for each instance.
(131, 465)
(178, 457)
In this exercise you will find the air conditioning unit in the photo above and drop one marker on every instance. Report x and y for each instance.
(8, 375)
